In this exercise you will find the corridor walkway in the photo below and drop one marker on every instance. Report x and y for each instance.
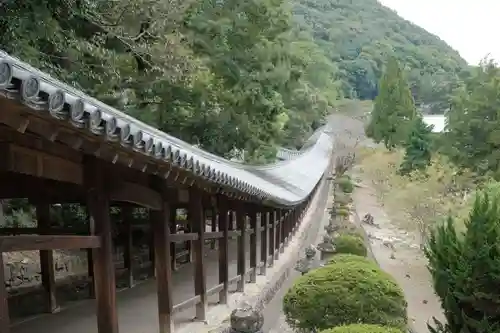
(137, 307)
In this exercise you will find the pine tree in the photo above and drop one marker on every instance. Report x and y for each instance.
(394, 108)
(418, 147)
(465, 269)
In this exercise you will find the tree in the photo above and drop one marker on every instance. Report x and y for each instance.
(465, 269)
(418, 148)
(473, 136)
(394, 108)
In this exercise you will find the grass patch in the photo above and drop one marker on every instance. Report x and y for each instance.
(417, 201)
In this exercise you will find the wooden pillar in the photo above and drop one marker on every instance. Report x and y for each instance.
(128, 257)
(213, 226)
(241, 265)
(231, 220)
(197, 221)
(253, 243)
(151, 245)
(264, 241)
(189, 229)
(90, 259)
(104, 270)
(284, 226)
(173, 231)
(4, 305)
(47, 260)
(272, 237)
(223, 248)
(277, 242)
(160, 220)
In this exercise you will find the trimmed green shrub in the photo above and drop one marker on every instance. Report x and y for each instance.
(342, 212)
(345, 293)
(345, 184)
(345, 243)
(347, 258)
(362, 328)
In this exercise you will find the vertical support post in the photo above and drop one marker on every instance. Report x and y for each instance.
(47, 260)
(127, 246)
(277, 242)
(272, 237)
(90, 259)
(253, 244)
(223, 248)
(189, 229)
(104, 270)
(264, 241)
(151, 245)
(197, 221)
(160, 220)
(213, 226)
(284, 226)
(241, 220)
(231, 220)
(173, 231)
(4, 305)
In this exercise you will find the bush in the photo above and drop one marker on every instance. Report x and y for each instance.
(342, 212)
(347, 258)
(345, 293)
(465, 268)
(345, 184)
(345, 243)
(362, 328)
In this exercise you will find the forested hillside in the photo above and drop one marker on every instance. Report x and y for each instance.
(358, 36)
(229, 76)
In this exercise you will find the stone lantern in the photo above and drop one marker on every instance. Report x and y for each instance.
(304, 265)
(326, 248)
(246, 319)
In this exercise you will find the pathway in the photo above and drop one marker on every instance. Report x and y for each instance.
(398, 253)
(137, 307)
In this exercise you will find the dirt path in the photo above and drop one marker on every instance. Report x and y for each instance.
(398, 253)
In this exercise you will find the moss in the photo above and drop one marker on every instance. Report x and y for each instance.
(343, 293)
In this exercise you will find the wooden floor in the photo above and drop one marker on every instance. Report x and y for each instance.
(137, 307)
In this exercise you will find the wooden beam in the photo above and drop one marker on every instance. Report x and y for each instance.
(136, 194)
(104, 270)
(241, 220)
(47, 242)
(223, 221)
(4, 306)
(161, 234)
(197, 219)
(47, 260)
(173, 231)
(40, 164)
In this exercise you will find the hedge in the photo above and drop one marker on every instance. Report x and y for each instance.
(345, 184)
(354, 244)
(343, 293)
(347, 258)
(362, 328)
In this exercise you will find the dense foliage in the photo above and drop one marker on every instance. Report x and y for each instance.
(418, 148)
(362, 328)
(350, 243)
(473, 125)
(358, 36)
(394, 109)
(466, 269)
(229, 76)
(345, 293)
